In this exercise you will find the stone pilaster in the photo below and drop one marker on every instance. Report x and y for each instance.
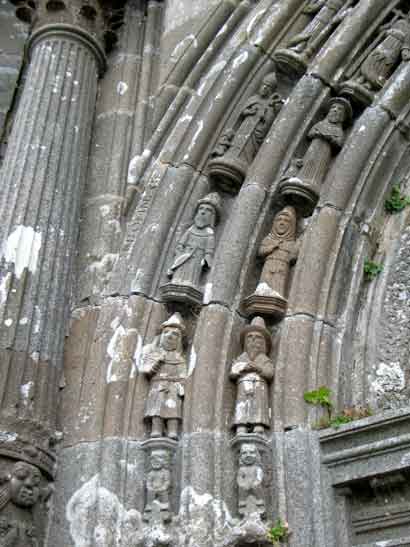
(41, 184)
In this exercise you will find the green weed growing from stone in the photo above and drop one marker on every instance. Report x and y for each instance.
(278, 532)
(322, 397)
(371, 269)
(396, 202)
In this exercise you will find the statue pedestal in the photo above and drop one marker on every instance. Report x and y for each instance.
(254, 438)
(303, 195)
(228, 173)
(159, 443)
(271, 306)
(290, 62)
(187, 294)
(357, 93)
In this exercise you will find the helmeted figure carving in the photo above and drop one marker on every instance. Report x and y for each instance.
(380, 62)
(250, 482)
(194, 253)
(20, 491)
(327, 14)
(237, 147)
(253, 370)
(164, 363)
(326, 139)
(158, 483)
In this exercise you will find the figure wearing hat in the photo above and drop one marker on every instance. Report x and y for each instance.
(195, 249)
(164, 363)
(253, 370)
(246, 136)
(327, 138)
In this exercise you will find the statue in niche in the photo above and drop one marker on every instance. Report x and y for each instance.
(279, 251)
(250, 482)
(380, 63)
(237, 147)
(164, 363)
(194, 254)
(20, 492)
(326, 139)
(252, 371)
(158, 485)
(327, 14)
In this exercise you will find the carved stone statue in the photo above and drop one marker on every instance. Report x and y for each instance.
(279, 250)
(326, 139)
(327, 14)
(250, 482)
(158, 484)
(20, 491)
(164, 363)
(194, 254)
(380, 62)
(237, 147)
(252, 371)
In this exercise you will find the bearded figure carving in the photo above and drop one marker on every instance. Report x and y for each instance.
(194, 254)
(238, 146)
(252, 371)
(326, 139)
(164, 364)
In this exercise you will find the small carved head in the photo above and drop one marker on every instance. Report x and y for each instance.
(249, 455)
(284, 224)
(268, 86)
(255, 338)
(25, 484)
(208, 210)
(339, 111)
(172, 333)
(160, 459)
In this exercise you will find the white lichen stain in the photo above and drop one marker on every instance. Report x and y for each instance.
(97, 517)
(5, 285)
(122, 88)
(8, 322)
(121, 352)
(22, 249)
(192, 361)
(240, 59)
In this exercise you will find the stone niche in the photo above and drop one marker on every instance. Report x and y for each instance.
(367, 467)
(380, 509)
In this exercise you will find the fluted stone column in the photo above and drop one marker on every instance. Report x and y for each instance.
(40, 190)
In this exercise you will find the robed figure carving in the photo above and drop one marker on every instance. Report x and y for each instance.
(238, 146)
(252, 371)
(20, 492)
(194, 254)
(279, 251)
(164, 363)
(326, 139)
(380, 62)
(326, 15)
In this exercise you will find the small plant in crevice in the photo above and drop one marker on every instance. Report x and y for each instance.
(278, 532)
(322, 397)
(371, 269)
(397, 201)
